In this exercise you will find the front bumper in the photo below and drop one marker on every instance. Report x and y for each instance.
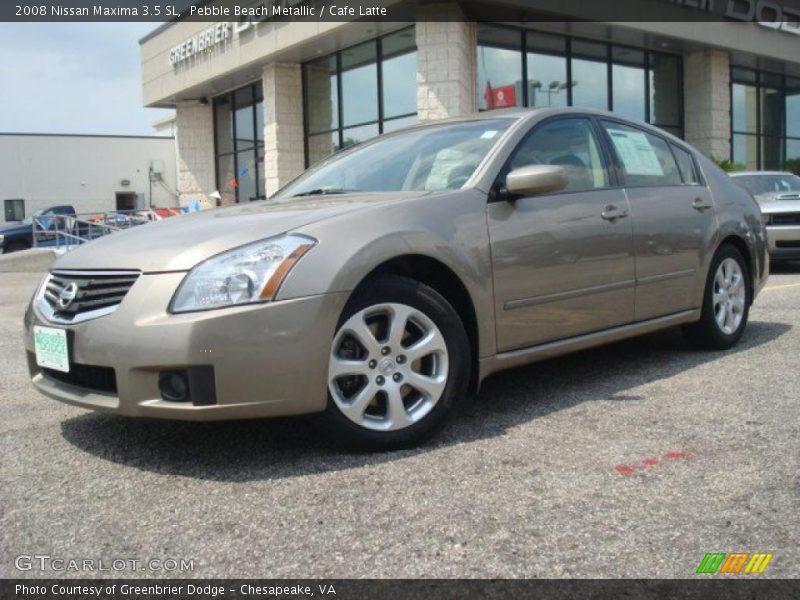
(268, 359)
(784, 242)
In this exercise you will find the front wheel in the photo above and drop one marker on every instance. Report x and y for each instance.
(399, 363)
(726, 302)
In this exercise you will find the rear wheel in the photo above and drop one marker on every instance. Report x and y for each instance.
(726, 302)
(399, 364)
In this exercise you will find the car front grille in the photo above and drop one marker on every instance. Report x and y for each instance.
(785, 219)
(74, 296)
(88, 377)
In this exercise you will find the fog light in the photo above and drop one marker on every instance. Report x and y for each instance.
(174, 386)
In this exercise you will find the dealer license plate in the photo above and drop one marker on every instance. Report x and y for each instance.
(51, 348)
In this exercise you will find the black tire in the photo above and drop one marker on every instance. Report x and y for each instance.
(403, 290)
(15, 247)
(707, 333)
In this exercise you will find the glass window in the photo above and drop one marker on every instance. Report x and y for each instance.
(226, 179)
(645, 158)
(745, 150)
(565, 71)
(399, 123)
(239, 144)
(767, 107)
(793, 107)
(686, 165)
(356, 135)
(353, 75)
(223, 116)
(590, 81)
(244, 118)
(14, 209)
(629, 93)
(568, 143)
(499, 77)
(321, 146)
(359, 84)
(744, 108)
(547, 80)
(665, 90)
(399, 98)
(322, 94)
(547, 70)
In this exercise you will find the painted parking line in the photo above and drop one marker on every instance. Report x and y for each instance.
(780, 287)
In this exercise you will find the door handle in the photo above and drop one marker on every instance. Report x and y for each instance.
(701, 205)
(612, 213)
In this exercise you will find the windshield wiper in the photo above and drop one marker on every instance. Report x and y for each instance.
(323, 192)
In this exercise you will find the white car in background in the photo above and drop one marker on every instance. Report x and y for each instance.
(778, 195)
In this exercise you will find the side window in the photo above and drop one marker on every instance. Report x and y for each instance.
(568, 143)
(645, 158)
(686, 165)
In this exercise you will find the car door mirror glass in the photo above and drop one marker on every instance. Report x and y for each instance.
(534, 180)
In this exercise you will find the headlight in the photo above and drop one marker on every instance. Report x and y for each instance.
(244, 275)
(2, 237)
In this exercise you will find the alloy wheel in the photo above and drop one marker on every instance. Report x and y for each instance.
(388, 367)
(729, 296)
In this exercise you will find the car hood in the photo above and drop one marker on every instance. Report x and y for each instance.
(14, 228)
(783, 202)
(179, 243)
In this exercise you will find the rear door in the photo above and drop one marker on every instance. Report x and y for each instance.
(563, 262)
(673, 220)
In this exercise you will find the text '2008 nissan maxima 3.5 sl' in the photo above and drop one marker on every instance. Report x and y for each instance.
(380, 287)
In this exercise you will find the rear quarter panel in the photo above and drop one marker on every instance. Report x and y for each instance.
(738, 215)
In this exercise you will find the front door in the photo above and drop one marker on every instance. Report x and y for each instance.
(563, 263)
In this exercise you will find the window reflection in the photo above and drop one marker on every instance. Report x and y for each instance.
(563, 71)
(766, 107)
(239, 144)
(351, 77)
(591, 84)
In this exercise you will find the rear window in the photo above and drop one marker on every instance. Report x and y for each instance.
(686, 165)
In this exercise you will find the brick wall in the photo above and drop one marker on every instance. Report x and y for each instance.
(707, 102)
(446, 63)
(195, 145)
(283, 124)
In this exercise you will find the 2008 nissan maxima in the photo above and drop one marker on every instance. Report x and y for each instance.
(381, 286)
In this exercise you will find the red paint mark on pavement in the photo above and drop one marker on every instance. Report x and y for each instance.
(678, 455)
(647, 463)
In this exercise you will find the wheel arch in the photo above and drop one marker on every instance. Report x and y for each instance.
(437, 275)
(743, 247)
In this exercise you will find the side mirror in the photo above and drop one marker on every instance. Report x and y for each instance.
(536, 179)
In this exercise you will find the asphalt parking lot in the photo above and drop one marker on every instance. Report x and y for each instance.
(632, 460)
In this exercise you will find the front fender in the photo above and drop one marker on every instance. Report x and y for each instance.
(449, 227)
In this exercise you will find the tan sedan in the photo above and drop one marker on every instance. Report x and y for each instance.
(383, 285)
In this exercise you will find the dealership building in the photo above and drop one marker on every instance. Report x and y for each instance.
(259, 101)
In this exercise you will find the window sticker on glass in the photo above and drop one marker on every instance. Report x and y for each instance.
(489, 134)
(636, 153)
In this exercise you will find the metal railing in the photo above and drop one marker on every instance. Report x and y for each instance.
(67, 231)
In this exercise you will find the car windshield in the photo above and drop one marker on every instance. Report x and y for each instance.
(435, 158)
(770, 184)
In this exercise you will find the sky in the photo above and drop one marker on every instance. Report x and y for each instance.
(73, 78)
